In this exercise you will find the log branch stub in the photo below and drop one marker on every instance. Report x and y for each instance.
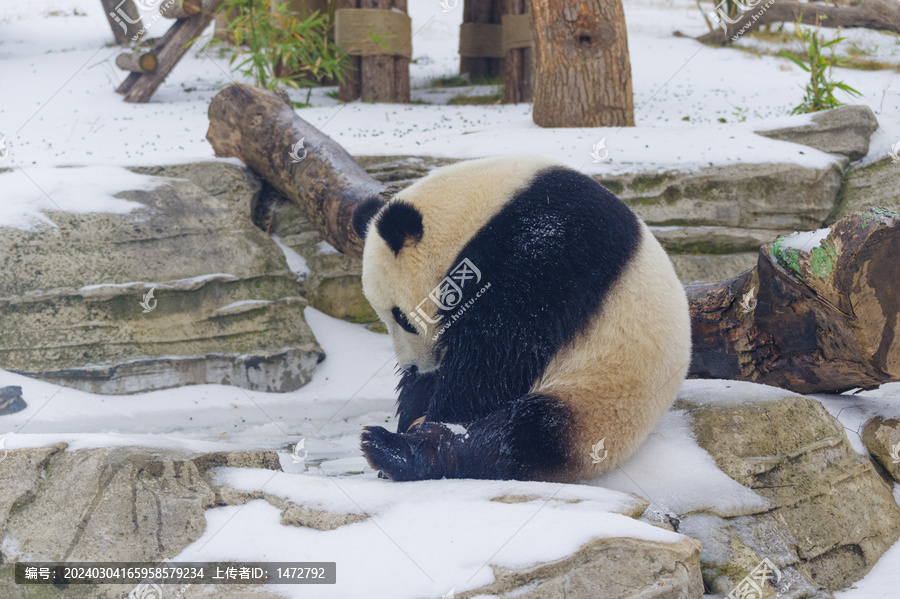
(137, 62)
(180, 9)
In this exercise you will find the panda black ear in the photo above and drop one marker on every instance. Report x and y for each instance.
(363, 213)
(399, 222)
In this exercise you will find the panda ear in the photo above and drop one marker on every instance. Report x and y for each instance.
(399, 222)
(363, 214)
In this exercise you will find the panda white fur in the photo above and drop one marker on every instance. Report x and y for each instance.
(533, 315)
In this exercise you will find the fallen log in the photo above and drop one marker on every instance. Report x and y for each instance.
(881, 15)
(261, 128)
(826, 319)
(820, 320)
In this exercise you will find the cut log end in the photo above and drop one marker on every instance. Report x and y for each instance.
(137, 62)
(180, 9)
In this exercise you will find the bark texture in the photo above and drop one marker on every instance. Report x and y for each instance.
(582, 73)
(124, 20)
(260, 127)
(823, 320)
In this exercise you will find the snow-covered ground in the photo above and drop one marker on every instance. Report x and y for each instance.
(58, 109)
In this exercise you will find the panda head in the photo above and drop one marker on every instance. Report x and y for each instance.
(392, 277)
(414, 240)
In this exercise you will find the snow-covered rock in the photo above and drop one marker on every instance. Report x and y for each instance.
(844, 130)
(119, 287)
(830, 516)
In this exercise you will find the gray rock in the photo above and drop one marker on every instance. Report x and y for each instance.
(226, 309)
(711, 267)
(713, 240)
(614, 567)
(123, 504)
(881, 436)
(11, 400)
(401, 170)
(775, 196)
(334, 282)
(872, 184)
(845, 130)
(831, 515)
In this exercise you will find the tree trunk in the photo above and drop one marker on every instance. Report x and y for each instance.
(382, 78)
(125, 20)
(882, 15)
(825, 320)
(518, 63)
(582, 74)
(482, 11)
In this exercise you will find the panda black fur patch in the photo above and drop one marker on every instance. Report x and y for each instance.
(399, 222)
(363, 213)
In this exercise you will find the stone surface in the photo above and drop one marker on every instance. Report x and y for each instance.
(713, 240)
(881, 436)
(615, 567)
(831, 515)
(334, 282)
(106, 504)
(227, 308)
(872, 184)
(844, 130)
(11, 400)
(401, 170)
(711, 267)
(749, 196)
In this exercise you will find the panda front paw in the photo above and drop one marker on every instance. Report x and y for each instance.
(407, 456)
(388, 453)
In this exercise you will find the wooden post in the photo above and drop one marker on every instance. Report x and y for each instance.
(518, 63)
(139, 87)
(124, 19)
(375, 77)
(482, 11)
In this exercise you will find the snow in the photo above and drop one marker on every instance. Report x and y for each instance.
(295, 261)
(678, 476)
(27, 195)
(805, 241)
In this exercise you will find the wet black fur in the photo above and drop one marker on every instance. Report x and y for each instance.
(551, 255)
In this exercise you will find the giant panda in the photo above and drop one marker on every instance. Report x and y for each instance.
(540, 328)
